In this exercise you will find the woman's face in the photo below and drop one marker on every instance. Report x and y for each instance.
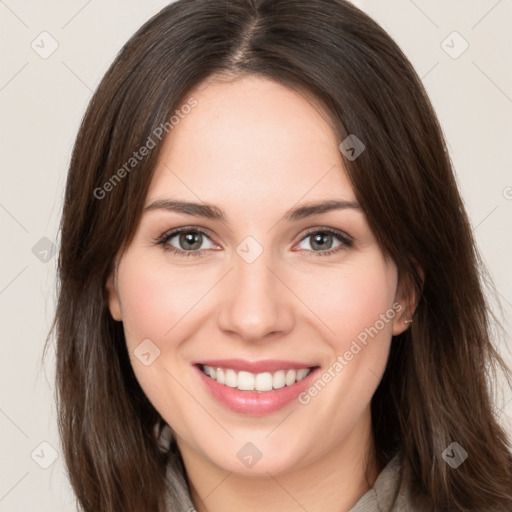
(255, 289)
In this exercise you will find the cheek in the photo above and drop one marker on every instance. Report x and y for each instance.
(160, 303)
(350, 300)
(359, 312)
(154, 300)
(154, 306)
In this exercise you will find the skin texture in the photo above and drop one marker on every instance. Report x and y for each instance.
(256, 149)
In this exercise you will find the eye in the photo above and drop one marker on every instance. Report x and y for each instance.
(189, 241)
(323, 242)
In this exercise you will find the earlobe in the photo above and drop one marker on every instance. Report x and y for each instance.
(408, 299)
(114, 303)
(402, 319)
(404, 315)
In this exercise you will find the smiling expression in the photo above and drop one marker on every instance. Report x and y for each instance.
(275, 269)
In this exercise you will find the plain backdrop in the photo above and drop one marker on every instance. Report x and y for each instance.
(53, 55)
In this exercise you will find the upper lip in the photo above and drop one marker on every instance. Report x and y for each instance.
(268, 365)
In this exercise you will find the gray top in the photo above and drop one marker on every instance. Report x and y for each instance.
(380, 497)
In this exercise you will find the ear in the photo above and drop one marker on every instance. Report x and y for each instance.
(114, 302)
(408, 299)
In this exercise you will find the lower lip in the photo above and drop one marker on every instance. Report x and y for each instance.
(252, 402)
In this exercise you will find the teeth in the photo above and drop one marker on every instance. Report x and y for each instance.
(231, 379)
(290, 377)
(302, 373)
(246, 381)
(263, 382)
(278, 381)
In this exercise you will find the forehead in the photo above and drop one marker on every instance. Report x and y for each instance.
(254, 138)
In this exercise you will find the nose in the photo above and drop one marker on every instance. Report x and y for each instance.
(255, 303)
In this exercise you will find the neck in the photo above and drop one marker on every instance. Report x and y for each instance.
(332, 483)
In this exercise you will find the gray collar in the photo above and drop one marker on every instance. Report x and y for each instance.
(380, 497)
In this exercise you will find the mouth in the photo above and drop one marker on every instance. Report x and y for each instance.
(258, 382)
(255, 388)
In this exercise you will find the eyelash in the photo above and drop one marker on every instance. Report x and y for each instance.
(345, 240)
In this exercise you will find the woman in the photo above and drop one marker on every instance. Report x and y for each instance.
(270, 297)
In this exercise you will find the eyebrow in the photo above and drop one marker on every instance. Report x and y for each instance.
(211, 211)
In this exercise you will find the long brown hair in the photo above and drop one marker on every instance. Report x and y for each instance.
(437, 386)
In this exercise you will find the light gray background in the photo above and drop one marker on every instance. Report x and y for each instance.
(42, 102)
